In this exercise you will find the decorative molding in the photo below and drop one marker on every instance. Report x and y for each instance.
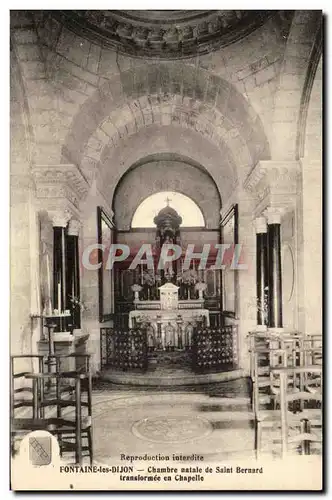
(260, 225)
(274, 214)
(273, 184)
(59, 218)
(74, 227)
(167, 34)
(59, 188)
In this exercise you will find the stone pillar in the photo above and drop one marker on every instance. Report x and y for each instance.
(261, 270)
(60, 220)
(245, 319)
(274, 268)
(312, 264)
(73, 272)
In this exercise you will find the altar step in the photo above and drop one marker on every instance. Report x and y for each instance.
(220, 402)
(168, 378)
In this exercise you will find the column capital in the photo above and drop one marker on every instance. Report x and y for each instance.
(276, 173)
(274, 214)
(74, 227)
(59, 218)
(273, 183)
(59, 186)
(260, 225)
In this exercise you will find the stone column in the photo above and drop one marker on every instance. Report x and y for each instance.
(274, 184)
(261, 269)
(274, 267)
(60, 190)
(73, 271)
(60, 220)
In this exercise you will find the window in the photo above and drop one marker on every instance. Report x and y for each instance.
(185, 206)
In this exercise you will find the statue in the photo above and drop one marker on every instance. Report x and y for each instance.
(150, 338)
(188, 334)
(168, 233)
(169, 337)
(169, 298)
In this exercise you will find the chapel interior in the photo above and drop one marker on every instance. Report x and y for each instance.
(153, 127)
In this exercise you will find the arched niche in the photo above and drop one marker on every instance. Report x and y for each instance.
(190, 212)
(166, 173)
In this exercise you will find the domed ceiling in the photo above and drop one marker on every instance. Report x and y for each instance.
(166, 34)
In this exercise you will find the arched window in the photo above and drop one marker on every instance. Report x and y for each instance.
(191, 214)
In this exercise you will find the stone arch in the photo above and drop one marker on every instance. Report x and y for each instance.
(160, 173)
(167, 140)
(171, 111)
(309, 143)
(174, 92)
(290, 100)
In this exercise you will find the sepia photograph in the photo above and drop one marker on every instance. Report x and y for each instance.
(166, 286)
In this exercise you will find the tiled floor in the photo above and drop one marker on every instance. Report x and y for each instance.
(214, 420)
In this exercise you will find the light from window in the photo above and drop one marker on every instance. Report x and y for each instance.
(185, 207)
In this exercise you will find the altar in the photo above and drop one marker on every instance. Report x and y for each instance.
(169, 322)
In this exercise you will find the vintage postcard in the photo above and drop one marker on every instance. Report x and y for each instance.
(166, 249)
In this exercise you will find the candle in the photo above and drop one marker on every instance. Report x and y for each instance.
(38, 291)
(59, 298)
(48, 276)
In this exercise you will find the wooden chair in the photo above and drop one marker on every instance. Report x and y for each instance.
(256, 340)
(263, 399)
(23, 401)
(263, 358)
(268, 346)
(82, 362)
(20, 390)
(264, 342)
(49, 393)
(312, 347)
(266, 388)
(72, 422)
(300, 411)
(267, 406)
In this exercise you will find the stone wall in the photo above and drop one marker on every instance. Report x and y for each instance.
(310, 297)
(24, 225)
(74, 101)
(89, 278)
